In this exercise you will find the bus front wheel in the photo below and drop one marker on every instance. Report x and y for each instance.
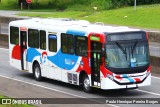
(86, 84)
(37, 72)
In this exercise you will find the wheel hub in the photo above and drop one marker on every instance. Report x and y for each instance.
(37, 72)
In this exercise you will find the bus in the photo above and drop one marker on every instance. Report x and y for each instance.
(80, 53)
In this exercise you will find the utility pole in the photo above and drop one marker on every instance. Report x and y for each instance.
(135, 4)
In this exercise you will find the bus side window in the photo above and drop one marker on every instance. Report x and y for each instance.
(14, 35)
(81, 46)
(67, 43)
(52, 42)
(42, 39)
(33, 38)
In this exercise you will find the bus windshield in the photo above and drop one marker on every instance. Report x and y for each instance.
(127, 54)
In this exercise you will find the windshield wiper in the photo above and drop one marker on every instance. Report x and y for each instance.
(135, 44)
(122, 49)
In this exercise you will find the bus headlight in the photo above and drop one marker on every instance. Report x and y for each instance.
(147, 74)
(110, 76)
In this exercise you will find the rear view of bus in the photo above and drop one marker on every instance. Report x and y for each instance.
(126, 60)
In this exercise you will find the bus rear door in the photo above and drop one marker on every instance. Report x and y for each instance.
(23, 48)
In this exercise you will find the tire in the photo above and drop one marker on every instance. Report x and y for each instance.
(37, 72)
(86, 84)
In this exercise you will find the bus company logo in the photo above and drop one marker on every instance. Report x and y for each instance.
(6, 101)
(69, 62)
(43, 57)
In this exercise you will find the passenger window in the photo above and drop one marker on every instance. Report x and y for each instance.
(81, 46)
(14, 35)
(52, 43)
(33, 38)
(42, 39)
(67, 43)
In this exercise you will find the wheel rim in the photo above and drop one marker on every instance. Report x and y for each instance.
(37, 72)
(86, 83)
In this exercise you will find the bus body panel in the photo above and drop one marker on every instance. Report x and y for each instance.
(14, 58)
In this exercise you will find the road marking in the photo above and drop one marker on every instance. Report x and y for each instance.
(155, 77)
(40, 86)
(54, 90)
(4, 49)
(148, 92)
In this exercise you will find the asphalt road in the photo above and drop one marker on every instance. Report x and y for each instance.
(58, 89)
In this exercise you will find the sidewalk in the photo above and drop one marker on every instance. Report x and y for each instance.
(8, 13)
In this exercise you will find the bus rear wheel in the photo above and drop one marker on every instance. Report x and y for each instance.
(86, 84)
(37, 72)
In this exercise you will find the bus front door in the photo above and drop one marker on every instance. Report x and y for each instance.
(23, 47)
(96, 49)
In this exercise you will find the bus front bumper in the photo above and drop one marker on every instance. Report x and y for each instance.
(113, 83)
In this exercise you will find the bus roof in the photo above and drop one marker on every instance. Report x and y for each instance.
(65, 23)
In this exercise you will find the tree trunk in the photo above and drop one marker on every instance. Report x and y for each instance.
(19, 2)
(24, 3)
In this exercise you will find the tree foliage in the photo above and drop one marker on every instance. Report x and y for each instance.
(101, 4)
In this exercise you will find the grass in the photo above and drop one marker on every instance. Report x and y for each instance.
(146, 16)
(8, 4)
(69, 14)
(14, 105)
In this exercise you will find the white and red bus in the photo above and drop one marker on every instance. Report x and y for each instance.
(80, 53)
